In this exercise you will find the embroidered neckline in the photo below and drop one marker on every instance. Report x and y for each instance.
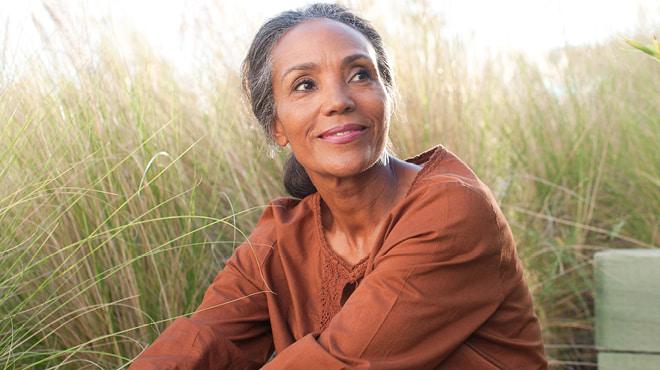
(337, 274)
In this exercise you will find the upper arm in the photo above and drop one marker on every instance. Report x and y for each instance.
(435, 280)
(230, 328)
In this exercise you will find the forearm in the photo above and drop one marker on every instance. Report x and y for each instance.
(230, 329)
(187, 344)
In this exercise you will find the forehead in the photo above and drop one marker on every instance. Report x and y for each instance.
(319, 36)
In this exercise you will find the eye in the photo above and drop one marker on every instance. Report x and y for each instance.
(304, 85)
(361, 75)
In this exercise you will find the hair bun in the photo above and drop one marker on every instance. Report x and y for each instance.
(296, 180)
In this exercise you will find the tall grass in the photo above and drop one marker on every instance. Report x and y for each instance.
(124, 188)
(125, 182)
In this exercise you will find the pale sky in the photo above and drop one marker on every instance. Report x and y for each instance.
(528, 25)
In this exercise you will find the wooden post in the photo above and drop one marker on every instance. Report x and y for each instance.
(627, 287)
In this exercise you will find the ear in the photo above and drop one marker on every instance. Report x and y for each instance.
(278, 133)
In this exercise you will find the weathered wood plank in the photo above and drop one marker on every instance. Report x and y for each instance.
(627, 288)
(628, 361)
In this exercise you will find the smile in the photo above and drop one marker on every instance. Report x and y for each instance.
(343, 134)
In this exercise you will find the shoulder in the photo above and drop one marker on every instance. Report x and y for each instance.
(440, 166)
(449, 202)
(445, 181)
(286, 213)
(281, 222)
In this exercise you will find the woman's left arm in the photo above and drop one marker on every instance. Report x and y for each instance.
(231, 328)
(439, 276)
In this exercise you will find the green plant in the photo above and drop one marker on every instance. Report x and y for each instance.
(653, 51)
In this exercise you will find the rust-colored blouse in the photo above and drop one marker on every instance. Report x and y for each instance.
(442, 288)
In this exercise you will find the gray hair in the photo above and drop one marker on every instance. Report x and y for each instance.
(257, 78)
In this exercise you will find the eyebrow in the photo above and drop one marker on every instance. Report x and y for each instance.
(351, 58)
(299, 67)
(310, 65)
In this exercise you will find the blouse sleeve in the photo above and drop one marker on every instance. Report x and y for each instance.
(436, 280)
(229, 330)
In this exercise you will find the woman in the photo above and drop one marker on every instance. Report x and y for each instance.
(381, 263)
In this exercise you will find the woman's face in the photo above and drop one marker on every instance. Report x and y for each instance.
(331, 105)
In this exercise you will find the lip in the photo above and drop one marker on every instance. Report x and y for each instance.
(343, 134)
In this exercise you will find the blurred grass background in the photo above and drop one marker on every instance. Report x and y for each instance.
(126, 183)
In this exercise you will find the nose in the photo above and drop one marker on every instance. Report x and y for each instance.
(337, 99)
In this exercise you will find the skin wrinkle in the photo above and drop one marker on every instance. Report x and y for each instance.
(256, 75)
(313, 66)
(333, 96)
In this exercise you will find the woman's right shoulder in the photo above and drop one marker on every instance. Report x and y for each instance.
(284, 218)
(287, 212)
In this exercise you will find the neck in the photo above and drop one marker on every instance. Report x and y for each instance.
(353, 209)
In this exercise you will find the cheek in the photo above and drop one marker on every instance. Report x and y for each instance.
(291, 120)
(378, 106)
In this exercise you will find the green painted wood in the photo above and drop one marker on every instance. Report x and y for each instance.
(628, 361)
(627, 289)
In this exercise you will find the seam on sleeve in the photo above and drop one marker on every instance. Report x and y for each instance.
(389, 311)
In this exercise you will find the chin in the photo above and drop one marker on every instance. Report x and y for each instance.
(358, 167)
